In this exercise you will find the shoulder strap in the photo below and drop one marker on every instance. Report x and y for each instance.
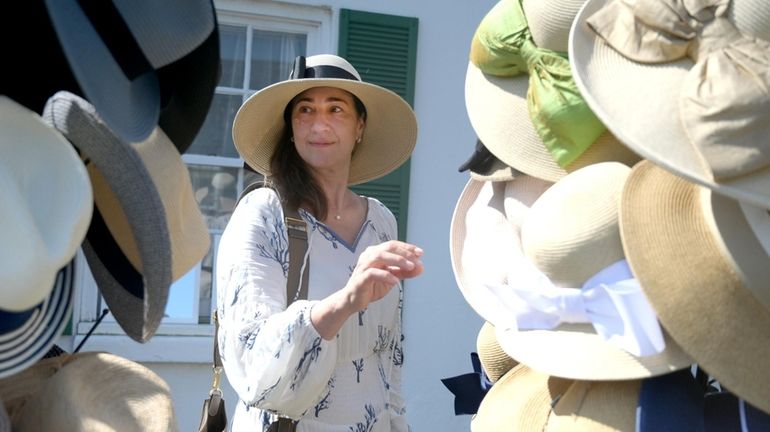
(296, 229)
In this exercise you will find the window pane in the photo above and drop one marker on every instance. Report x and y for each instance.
(272, 54)
(215, 137)
(232, 47)
(215, 190)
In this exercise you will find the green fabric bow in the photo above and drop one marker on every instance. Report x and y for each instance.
(503, 46)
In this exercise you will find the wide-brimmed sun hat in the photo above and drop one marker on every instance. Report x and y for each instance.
(494, 360)
(91, 391)
(519, 401)
(703, 261)
(389, 136)
(521, 98)
(706, 120)
(571, 294)
(483, 240)
(147, 230)
(41, 176)
(114, 49)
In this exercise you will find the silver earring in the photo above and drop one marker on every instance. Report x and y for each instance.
(291, 139)
(358, 140)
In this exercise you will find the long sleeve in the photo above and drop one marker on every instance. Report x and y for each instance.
(272, 355)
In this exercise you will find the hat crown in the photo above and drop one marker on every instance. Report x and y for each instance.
(333, 61)
(571, 232)
(550, 21)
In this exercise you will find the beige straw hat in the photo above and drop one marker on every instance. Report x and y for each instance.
(706, 121)
(703, 260)
(389, 136)
(519, 401)
(494, 360)
(98, 392)
(596, 406)
(497, 105)
(483, 239)
(571, 254)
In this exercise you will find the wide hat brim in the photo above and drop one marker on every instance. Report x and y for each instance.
(40, 175)
(497, 109)
(694, 288)
(389, 136)
(639, 103)
(482, 240)
(163, 32)
(26, 337)
(519, 401)
(146, 230)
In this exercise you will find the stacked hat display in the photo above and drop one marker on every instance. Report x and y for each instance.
(615, 228)
(91, 160)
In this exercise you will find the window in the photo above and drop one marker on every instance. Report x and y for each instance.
(257, 43)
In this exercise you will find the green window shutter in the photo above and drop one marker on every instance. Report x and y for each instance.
(383, 48)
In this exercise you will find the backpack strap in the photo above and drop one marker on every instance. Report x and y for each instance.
(296, 228)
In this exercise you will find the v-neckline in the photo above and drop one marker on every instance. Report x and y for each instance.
(336, 237)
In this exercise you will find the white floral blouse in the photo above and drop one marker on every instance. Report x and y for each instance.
(273, 356)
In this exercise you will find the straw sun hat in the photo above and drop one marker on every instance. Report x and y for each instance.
(703, 260)
(90, 391)
(501, 99)
(389, 136)
(569, 248)
(707, 121)
(147, 230)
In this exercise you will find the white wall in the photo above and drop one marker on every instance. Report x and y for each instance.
(439, 325)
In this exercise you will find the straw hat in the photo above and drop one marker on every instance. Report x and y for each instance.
(484, 166)
(389, 136)
(115, 52)
(483, 239)
(494, 360)
(709, 121)
(570, 294)
(502, 101)
(596, 406)
(520, 401)
(95, 392)
(703, 260)
(40, 175)
(147, 230)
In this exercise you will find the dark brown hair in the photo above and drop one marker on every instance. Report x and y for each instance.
(290, 173)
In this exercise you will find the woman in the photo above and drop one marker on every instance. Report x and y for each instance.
(333, 362)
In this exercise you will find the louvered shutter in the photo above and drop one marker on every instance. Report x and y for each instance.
(383, 48)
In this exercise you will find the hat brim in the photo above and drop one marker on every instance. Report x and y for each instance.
(497, 109)
(389, 136)
(693, 287)
(146, 230)
(130, 106)
(519, 401)
(639, 104)
(39, 328)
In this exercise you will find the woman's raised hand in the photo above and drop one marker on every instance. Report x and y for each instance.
(379, 268)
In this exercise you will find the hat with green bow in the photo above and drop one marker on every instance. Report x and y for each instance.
(521, 98)
(684, 84)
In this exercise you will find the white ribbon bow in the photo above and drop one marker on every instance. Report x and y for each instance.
(612, 301)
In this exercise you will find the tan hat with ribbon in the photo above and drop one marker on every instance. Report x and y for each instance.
(684, 84)
(703, 260)
(389, 136)
(571, 294)
(95, 392)
(521, 98)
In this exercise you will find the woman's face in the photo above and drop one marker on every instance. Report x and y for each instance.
(325, 128)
